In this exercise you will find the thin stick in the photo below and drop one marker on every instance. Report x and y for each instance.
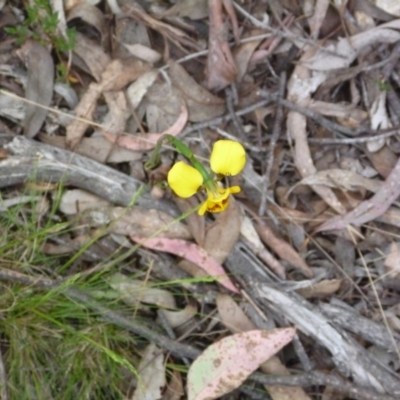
(276, 131)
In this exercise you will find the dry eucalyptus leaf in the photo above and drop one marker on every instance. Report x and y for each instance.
(91, 15)
(347, 48)
(390, 6)
(68, 4)
(148, 141)
(237, 321)
(379, 120)
(223, 234)
(392, 261)
(116, 75)
(193, 9)
(145, 222)
(137, 90)
(134, 291)
(321, 289)
(302, 84)
(163, 102)
(316, 20)
(232, 316)
(383, 160)
(39, 86)
(242, 55)
(202, 104)
(76, 201)
(175, 390)
(91, 57)
(192, 253)
(143, 53)
(221, 70)
(151, 371)
(120, 73)
(226, 364)
(115, 120)
(284, 250)
(369, 209)
(177, 318)
(341, 179)
(196, 223)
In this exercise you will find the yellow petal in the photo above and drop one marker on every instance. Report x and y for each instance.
(184, 180)
(217, 200)
(227, 157)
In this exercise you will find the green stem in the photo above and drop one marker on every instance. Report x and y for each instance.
(181, 148)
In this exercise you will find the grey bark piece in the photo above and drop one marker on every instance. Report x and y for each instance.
(30, 159)
(369, 330)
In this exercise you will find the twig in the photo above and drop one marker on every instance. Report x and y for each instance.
(316, 378)
(235, 119)
(272, 144)
(332, 126)
(363, 139)
(286, 35)
(225, 118)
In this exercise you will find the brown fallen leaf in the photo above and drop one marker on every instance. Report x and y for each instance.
(219, 240)
(369, 209)
(392, 262)
(179, 37)
(316, 20)
(115, 76)
(301, 84)
(196, 223)
(321, 289)
(90, 14)
(135, 291)
(346, 49)
(39, 86)
(202, 105)
(192, 253)
(175, 390)
(151, 375)
(180, 317)
(242, 55)
(341, 179)
(149, 140)
(383, 160)
(90, 56)
(284, 250)
(221, 69)
(223, 234)
(252, 240)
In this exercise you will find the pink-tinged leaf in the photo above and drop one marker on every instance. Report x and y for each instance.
(221, 70)
(190, 252)
(226, 364)
(369, 209)
(147, 142)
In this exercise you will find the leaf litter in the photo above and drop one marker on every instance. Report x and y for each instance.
(230, 285)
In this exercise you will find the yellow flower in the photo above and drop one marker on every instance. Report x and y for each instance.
(227, 159)
(217, 201)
